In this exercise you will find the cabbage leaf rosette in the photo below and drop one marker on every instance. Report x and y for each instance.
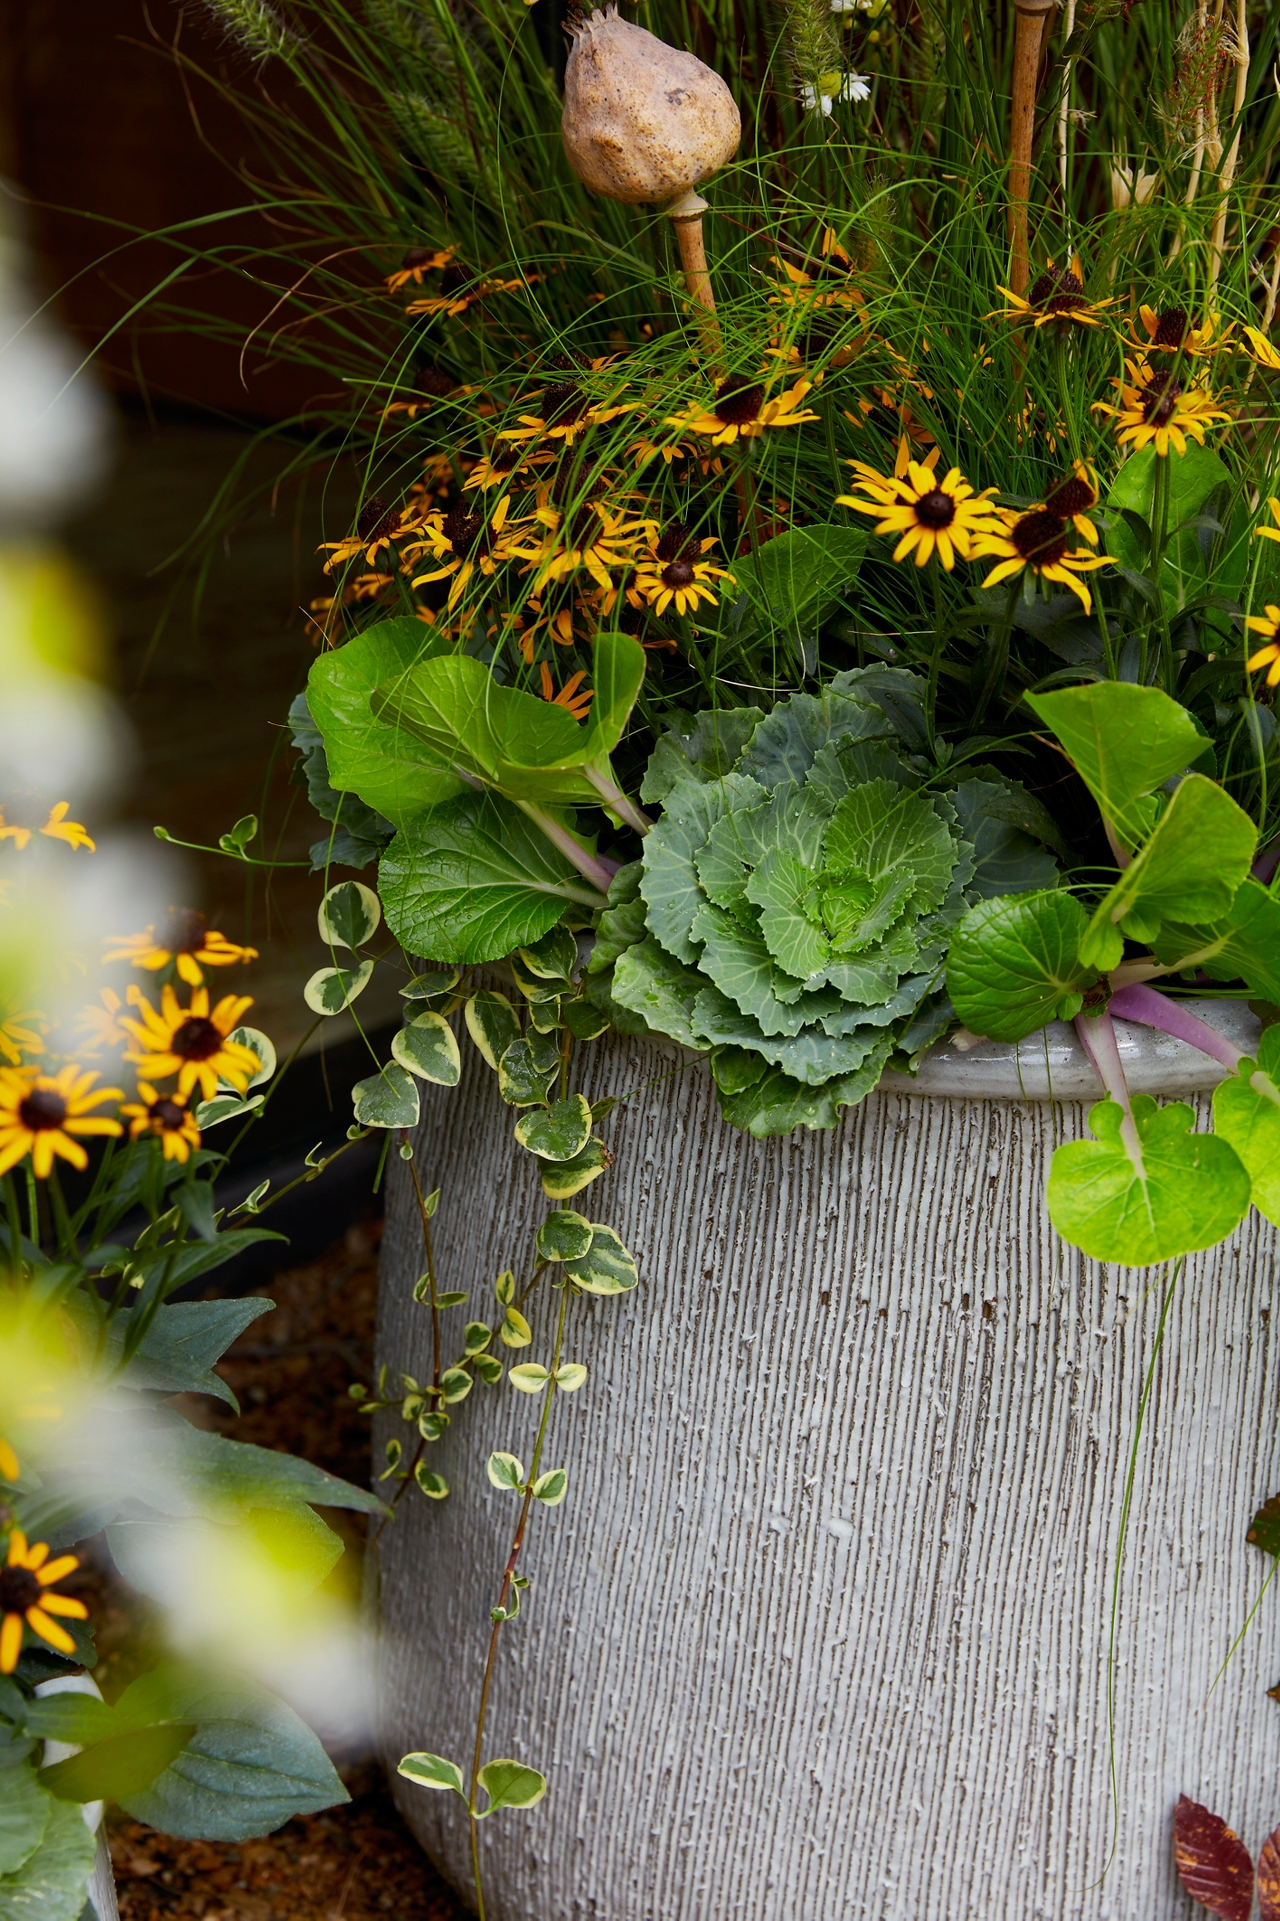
(794, 904)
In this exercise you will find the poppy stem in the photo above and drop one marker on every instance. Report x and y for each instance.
(685, 215)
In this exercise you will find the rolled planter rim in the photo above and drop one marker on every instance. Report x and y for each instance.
(1051, 1064)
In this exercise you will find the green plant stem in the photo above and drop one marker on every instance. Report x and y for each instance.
(431, 1267)
(1115, 1579)
(998, 660)
(499, 1612)
(1159, 539)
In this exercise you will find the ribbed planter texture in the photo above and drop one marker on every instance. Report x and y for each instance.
(822, 1628)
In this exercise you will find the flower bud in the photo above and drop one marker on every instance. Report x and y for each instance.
(642, 121)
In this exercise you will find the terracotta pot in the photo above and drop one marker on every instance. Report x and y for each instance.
(821, 1630)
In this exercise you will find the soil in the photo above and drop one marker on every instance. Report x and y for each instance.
(290, 1371)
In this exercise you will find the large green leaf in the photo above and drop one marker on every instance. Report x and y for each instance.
(1015, 964)
(474, 879)
(529, 749)
(795, 580)
(785, 745)
(1148, 1191)
(1246, 1113)
(1192, 477)
(777, 1104)
(1125, 741)
(992, 818)
(161, 1463)
(122, 1765)
(810, 1057)
(670, 880)
(698, 747)
(1245, 946)
(653, 984)
(53, 1883)
(179, 1348)
(250, 1765)
(25, 1810)
(384, 764)
(1188, 870)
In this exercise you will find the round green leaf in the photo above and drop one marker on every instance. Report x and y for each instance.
(492, 1023)
(427, 1046)
(524, 1077)
(564, 1236)
(457, 1384)
(529, 1378)
(434, 1486)
(561, 1180)
(1015, 964)
(1246, 1114)
(476, 1337)
(554, 957)
(505, 1471)
(388, 1098)
(515, 1330)
(331, 990)
(260, 1044)
(509, 1785)
(349, 914)
(606, 1267)
(1148, 1192)
(550, 1488)
(571, 1377)
(432, 1771)
(428, 987)
(558, 1132)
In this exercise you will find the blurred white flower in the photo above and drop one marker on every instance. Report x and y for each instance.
(816, 98)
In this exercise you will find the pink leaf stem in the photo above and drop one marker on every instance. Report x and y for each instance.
(1150, 1009)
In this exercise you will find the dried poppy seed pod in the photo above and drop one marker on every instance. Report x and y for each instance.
(642, 121)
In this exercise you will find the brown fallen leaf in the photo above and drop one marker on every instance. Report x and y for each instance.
(1269, 1877)
(1213, 1864)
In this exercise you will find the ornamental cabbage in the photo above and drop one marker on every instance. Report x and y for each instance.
(794, 904)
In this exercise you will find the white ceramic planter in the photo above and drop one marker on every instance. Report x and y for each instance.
(821, 1630)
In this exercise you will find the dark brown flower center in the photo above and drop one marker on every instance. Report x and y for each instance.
(563, 401)
(185, 933)
(376, 519)
(19, 1590)
(416, 257)
(1162, 395)
(432, 380)
(1058, 290)
(453, 280)
(1171, 328)
(504, 459)
(167, 1116)
(1073, 496)
(584, 526)
(1041, 538)
(672, 541)
(42, 1110)
(464, 532)
(678, 573)
(197, 1039)
(935, 509)
(737, 403)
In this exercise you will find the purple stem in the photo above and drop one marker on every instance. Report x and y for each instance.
(1098, 1038)
(1150, 1009)
(1265, 865)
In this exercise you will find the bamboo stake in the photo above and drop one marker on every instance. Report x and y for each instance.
(1227, 176)
(1031, 20)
